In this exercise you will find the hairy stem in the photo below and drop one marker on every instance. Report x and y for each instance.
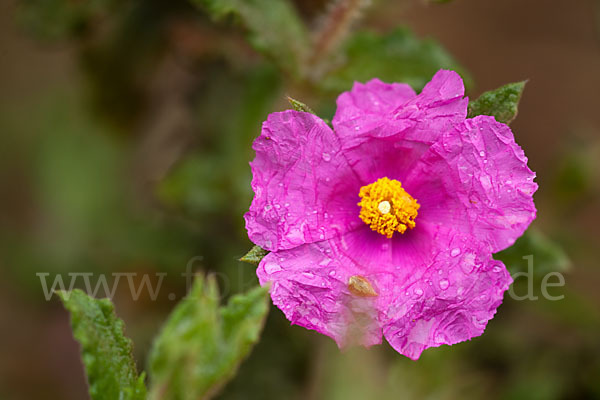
(332, 31)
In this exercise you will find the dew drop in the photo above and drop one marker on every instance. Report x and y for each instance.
(482, 153)
(277, 206)
(332, 273)
(286, 205)
(357, 128)
(271, 268)
(455, 251)
(308, 275)
(496, 269)
(321, 236)
(444, 284)
(326, 157)
(418, 292)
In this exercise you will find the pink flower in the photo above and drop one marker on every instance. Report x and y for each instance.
(386, 224)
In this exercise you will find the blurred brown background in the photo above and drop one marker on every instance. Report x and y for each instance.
(542, 350)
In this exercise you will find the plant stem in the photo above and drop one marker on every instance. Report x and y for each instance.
(332, 31)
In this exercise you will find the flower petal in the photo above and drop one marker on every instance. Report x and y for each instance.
(310, 286)
(374, 129)
(448, 301)
(305, 191)
(475, 179)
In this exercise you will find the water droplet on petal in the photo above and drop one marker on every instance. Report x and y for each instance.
(308, 275)
(444, 284)
(496, 269)
(271, 268)
(332, 273)
(455, 251)
(482, 153)
(418, 292)
(326, 157)
(357, 128)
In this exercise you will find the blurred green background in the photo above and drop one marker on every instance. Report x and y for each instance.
(125, 134)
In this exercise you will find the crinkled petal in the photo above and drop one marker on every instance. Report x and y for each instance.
(305, 191)
(309, 284)
(475, 179)
(449, 300)
(367, 106)
(375, 130)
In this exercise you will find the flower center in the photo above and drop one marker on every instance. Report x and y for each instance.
(386, 207)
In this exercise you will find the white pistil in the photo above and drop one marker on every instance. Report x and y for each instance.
(384, 207)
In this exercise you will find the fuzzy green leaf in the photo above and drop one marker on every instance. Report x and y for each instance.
(273, 26)
(299, 106)
(501, 103)
(396, 57)
(202, 344)
(105, 351)
(254, 256)
(548, 256)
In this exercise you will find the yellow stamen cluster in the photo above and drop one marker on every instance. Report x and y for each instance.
(387, 208)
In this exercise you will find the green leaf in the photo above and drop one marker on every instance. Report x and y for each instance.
(548, 256)
(299, 106)
(273, 26)
(501, 103)
(255, 255)
(106, 352)
(396, 57)
(202, 344)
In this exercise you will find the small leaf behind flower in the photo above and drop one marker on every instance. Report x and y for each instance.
(106, 352)
(299, 106)
(501, 103)
(255, 255)
(202, 344)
